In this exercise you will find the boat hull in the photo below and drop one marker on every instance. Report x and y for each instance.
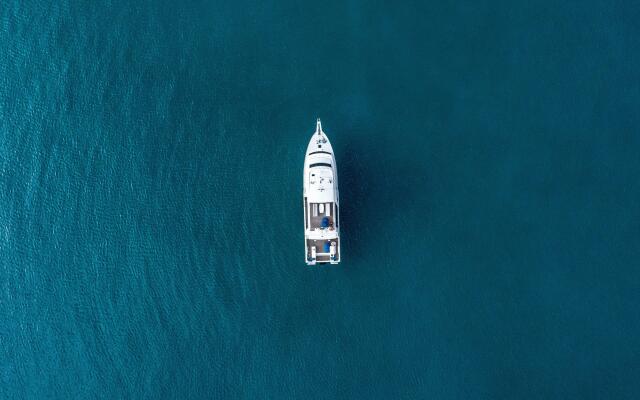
(321, 202)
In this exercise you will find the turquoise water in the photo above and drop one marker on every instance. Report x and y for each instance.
(151, 237)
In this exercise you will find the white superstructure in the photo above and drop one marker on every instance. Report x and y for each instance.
(321, 205)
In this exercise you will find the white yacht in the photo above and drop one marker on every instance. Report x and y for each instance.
(321, 205)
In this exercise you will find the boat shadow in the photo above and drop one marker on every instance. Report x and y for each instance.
(354, 160)
(378, 198)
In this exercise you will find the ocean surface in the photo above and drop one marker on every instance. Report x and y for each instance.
(151, 228)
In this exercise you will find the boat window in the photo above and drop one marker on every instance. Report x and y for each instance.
(320, 165)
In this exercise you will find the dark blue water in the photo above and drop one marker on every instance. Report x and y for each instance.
(151, 230)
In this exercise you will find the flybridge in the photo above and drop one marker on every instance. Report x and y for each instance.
(321, 201)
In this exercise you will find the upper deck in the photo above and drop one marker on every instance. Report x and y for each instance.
(320, 187)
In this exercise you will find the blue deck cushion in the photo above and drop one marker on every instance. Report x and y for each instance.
(327, 246)
(325, 222)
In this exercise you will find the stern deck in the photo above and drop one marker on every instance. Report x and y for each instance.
(321, 255)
